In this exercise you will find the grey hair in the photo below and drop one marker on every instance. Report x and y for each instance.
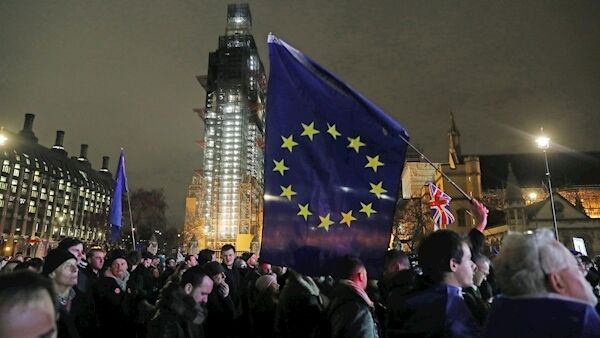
(525, 260)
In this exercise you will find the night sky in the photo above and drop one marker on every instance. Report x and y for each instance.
(122, 73)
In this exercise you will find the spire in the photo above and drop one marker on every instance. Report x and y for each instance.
(514, 195)
(454, 153)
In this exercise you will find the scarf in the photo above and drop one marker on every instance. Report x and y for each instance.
(362, 293)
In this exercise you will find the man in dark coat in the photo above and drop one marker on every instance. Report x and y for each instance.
(301, 309)
(351, 312)
(181, 308)
(221, 311)
(436, 308)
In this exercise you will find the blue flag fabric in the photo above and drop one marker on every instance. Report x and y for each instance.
(116, 205)
(333, 162)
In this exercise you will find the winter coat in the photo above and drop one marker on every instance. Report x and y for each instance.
(431, 310)
(221, 312)
(350, 316)
(301, 309)
(263, 313)
(177, 315)
(113, 307)
(550, 316)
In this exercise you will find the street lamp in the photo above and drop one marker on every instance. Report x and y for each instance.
(543, 143)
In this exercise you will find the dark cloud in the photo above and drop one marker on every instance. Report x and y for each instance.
(114, 73)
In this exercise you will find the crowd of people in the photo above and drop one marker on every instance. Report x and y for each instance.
(535, 287)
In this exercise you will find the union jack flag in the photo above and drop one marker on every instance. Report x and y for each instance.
(440, 207)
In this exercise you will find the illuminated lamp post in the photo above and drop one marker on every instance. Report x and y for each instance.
(543, 142)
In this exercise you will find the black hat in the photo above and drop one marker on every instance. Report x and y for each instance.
(117, 253)
(147, 255)
(213, 268)
(54, 259)
(68, 242)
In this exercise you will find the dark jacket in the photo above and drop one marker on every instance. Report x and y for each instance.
(431, 311)
(177, 315)
(233, 278)
(219, 320)
(141, 284)
(349, 315)
(301, 310)
(113, 307)
(478, 306)
(263, 314)
(542, 317)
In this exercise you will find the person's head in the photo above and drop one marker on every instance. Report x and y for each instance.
(116, 261)
(155, 261)
(266, 282)
(171, 263)
(205, 256)
(240, 263)
(353, 269)
(394, 261)
(26, 306)
(215, 271)
(445, 258)
(196, 284)
(96, 257)
(19, 256)
(74, 246)
(531, 264)
(147, 258)
(61, 267)
(250, 258)
(133, 258)
(191, 261)
(264, 268)
(482, 270)
(228, 255)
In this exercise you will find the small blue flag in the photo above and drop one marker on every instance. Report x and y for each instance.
(116, 206)
(333, 162)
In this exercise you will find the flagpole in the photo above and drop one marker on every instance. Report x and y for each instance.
(437, 169)
(131, 220)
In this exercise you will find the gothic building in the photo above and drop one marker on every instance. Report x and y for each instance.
(514, 187)
(224, 205)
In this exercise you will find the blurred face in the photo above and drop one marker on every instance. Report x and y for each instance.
(265, 269)
(118, 267)
(147, 262)
(34, 319)
(575, 285)
(218, 278)
(362, 278)
(97, 260)
(481, 272)
(200, 294)
(155, 262)
(228, 257)
(155, 273)
(193, 261)
(463, 272)
(77, 251)
(171, 263)
(66, 273)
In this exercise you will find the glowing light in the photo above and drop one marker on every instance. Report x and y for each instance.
(532, 196)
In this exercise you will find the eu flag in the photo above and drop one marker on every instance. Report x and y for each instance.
(116, 205)
(333, 162)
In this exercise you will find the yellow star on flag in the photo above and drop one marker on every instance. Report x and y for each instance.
(355, 143)
(377, 189)
(309, 130)
(288, 142)
(367, 209)
(325, 222)
(373, 162)
(347, 218)
(304, 212)
(287, 192)
(280, 166)
(331, 130)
